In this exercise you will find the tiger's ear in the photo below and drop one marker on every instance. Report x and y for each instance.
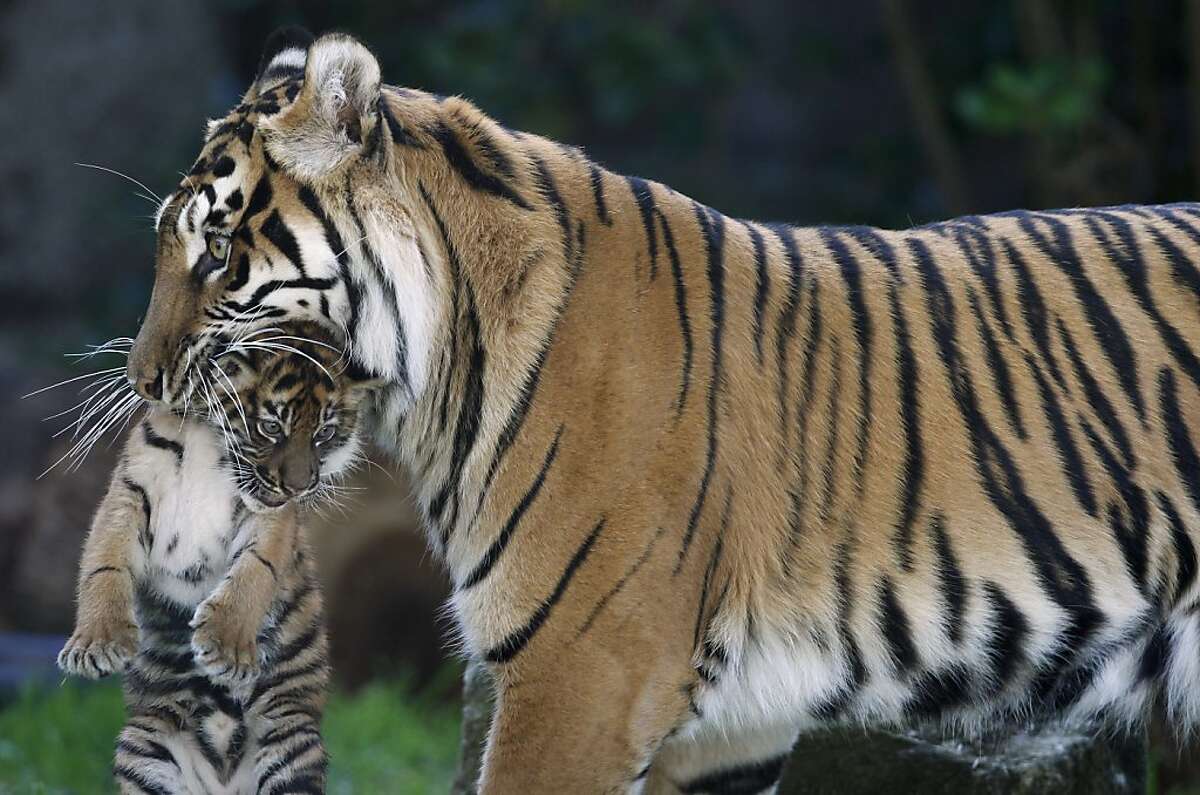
(284, 56)
(332, 115)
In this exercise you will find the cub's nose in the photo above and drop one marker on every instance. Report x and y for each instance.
(298, 479)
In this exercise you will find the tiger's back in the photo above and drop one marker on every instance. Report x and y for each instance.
(984, 448)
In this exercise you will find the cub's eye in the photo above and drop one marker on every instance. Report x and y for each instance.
(270, 428)
(218, 246)
(323, 435)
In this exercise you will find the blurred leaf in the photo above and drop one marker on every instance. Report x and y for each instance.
(1046, 98)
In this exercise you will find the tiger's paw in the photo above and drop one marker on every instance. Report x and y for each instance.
(95, 651)
(224, 643)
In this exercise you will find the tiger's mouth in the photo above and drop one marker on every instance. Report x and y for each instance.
(193, 377)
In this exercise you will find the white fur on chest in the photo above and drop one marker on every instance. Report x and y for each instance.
(192, 519)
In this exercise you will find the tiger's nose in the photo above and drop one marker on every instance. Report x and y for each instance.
(148, 386)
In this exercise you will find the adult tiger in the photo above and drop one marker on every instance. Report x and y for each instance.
(702, 482)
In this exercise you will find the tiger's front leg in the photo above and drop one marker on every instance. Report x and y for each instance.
(579, 721)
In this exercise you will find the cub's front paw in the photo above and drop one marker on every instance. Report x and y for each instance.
(96, 651)
(224, 643)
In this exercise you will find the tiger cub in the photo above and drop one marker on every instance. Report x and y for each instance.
(197, 580)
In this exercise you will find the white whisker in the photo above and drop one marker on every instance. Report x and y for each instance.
(114, 172)
(97, 374)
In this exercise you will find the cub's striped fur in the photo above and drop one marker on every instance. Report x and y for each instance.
(211, 610)
(701, 483)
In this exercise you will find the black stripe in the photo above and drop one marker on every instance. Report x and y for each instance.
(835, 704)
(834, 430)
(1131, 535)
(743, 779)
(1182, 268)
(712, 227)
(470, 412)
(896, 629)
(382, 277)
(469, 170)
(685, 325)
(1033, 309)
(333, 239)
(1068, 452)
(861, 320)
(102, 570)
(950, 580)
(813, 339)
(1104, 324)
(711, 569)
(598, 194)
(520, 409)
(260, 198)
(148, 749)
(976, 244)
(1095, 396)
(280, 763)
(490, 558)
(620, 584)
(145, 537)
(785, 327)
(549, 191)
(400, 135)
(936, 692)
(644, 197)
(910, 423)
(137, 779)
(762, 287)
(270, 566)
(302, 283)
(1183, 453)
(162, 443)
(999, 368)
(1185, 551)
(1128, 258)
(511, 646)
(1155, 655)
(1010, 630)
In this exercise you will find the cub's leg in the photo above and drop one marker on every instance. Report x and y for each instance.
(228, 622)
(148, 758)
(288, 696)
(106, 633)
(714, 761)
(291, 755)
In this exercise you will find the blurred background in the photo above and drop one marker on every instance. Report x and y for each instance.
(888, 112)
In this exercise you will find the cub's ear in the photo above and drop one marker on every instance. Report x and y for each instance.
(359, 381)
(333, 113)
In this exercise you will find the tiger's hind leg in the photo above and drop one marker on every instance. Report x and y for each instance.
(713, 761)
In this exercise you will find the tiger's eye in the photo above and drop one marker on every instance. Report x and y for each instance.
(218, 246)
(323, 435)
(269, 428)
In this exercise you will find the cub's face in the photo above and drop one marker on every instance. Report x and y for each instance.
(288, 411)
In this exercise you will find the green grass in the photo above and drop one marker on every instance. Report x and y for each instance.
(381, 739)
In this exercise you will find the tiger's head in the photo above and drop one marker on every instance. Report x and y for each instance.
(287, 410)
(266, 224)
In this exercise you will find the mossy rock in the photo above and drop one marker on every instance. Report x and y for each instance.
(1040, 760)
